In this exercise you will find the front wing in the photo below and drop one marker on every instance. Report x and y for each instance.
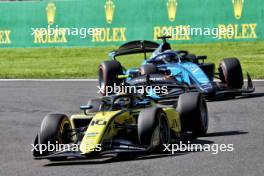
(175, 89)
(107, 149)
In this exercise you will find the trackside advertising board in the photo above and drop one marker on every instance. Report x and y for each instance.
(112, 22)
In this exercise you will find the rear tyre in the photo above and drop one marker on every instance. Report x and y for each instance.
(153, 129)
(55, 129)
(148, 69)
(193, 113)
(108, 72)
(230, 73)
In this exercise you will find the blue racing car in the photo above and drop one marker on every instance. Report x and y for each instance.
(177, 70)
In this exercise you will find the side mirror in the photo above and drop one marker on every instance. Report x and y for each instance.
(201, 58)
(85, 107)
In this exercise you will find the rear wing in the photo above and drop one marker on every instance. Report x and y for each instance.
(135, 47)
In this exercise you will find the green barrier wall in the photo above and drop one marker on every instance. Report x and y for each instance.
(125, 20)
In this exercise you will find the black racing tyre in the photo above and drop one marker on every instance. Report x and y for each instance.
(55, 129)
(193, 113)
(108, 72)
(230, 73)
(148, 69)
(153, 127)
(208, 69)
(36, 152)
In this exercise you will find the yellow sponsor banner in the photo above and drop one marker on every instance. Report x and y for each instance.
(5, 37)
(238, 31)
(46, 36)
(117, 34)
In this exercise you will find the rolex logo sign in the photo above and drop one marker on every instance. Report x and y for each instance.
(238, 8)
(109, 11)
(51, 11)
(172, 9)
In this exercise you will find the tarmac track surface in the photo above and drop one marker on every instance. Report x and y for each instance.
(24, 103)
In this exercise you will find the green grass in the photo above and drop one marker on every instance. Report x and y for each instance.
(83, 62)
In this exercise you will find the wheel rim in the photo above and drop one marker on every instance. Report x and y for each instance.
(64, 136)
(161, 134)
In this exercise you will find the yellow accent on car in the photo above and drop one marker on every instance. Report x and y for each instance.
(98, 126)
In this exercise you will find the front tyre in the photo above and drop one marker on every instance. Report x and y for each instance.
(193, 113)
(55, 129)
(153, 129)
(230, 73)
